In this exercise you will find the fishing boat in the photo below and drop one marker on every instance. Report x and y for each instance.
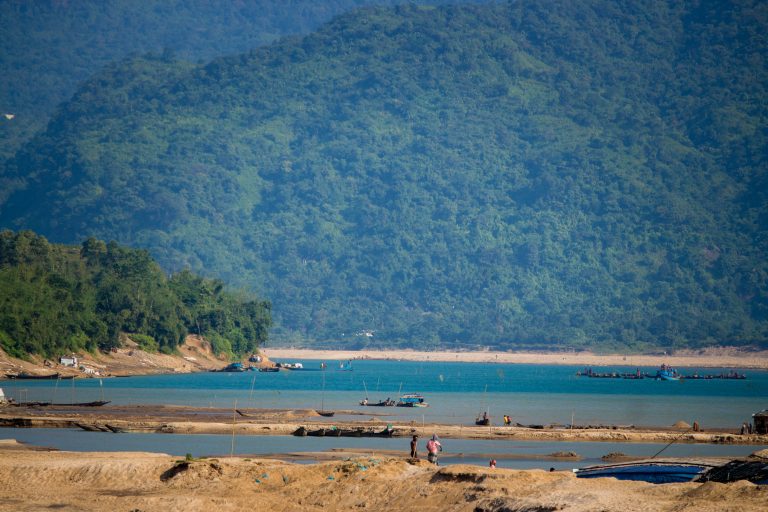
(388, 431)
(655, 471)
(320, 432)
(31, 376)
(483, 420)
(411, 400)
(382, 403)
(233, 368)
(752, 469)
(667, 373)
(269, 369)
(95, 403)
(322, 411)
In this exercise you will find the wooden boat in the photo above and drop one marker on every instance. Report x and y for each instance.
(336, 432)
(30, 376)
(383, 403)
(97, 427)
(327, 414)
(753, 470)
(269, 369)
(95, 403)
(653, 471)
(320, 432)
(483, 422)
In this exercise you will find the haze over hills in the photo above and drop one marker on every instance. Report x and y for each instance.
(516, 175)
(48, 47)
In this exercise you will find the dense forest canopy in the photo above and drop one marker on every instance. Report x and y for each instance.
(56, 299)
(571, 174)
(48, 47)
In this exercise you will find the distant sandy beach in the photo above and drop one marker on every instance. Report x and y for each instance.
(711, 358)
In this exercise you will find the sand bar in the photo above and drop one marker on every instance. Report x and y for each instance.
(711, 358)
(204, 420)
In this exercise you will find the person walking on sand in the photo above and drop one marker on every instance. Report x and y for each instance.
(414, 443)
(433, 447)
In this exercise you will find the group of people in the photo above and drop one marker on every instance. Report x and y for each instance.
(507, 420)
(746, 428)
(433, 448)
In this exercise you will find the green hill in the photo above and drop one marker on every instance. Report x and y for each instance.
(56, 299)
(49, 47)
(515, 175)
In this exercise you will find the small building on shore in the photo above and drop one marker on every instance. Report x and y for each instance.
(68, 361)
(760, 421)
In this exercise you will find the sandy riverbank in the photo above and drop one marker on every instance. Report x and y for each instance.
(710, 358)
(205, 420)
(40, 480)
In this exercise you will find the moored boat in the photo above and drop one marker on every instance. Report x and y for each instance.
(31, 376)
(382, 403)
(412, 400)
(667, 373)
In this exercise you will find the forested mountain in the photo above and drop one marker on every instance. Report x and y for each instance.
(56, 299)
(48, 47)
(524, 174)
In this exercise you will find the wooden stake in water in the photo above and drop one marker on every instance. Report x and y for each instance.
(253, 383)
(234, 422)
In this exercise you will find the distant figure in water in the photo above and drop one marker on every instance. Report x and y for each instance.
(414, 443)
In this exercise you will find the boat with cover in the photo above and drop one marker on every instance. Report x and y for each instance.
(667, 373)
(411, 400)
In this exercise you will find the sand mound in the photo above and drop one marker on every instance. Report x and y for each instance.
(762, 454)
(681, 424)
(140, 481)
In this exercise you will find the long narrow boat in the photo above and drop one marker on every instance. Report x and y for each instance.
(31, 376)
(96, 403)
(336, 432)
(383, 403)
